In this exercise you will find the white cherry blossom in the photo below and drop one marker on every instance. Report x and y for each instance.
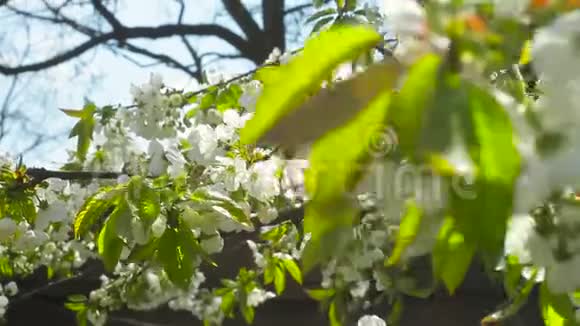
(371, 320)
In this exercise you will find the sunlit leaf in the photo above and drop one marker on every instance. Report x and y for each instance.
(293, 270)
(286, 87)
(279, 279)
(320, 294)
(94, 208)
(83, 129)
(109, 244)
(333, 107)
(407, 112)
(482, 216)
(557, 309)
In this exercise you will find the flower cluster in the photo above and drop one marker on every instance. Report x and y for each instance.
(183, 181)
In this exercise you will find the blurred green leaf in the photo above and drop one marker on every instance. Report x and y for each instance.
(512, 276)
(269, 273)
(209, 99)
(6, 269)
(320, 294)
(482, 217)
(248, 313)
(279, 279)
(228, 97)
(334, 314)
(228, 303)
(350, 5)
(557, 309)
(416, 95)
(337, 161)
(287, 86)
(451, 256)
(334, 106)
(408, 229)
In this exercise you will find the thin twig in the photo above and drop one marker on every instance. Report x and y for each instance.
(40, 174)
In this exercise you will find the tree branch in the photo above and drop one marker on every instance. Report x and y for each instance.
(161, 31)
(244, 19)
(169, 61)
(274, 27)
(109, 17)
(40, 174)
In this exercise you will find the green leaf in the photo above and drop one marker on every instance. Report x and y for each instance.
(75, 306)
(557, 309)
(109, 244)
(81, 317)
(94, 208)
(228, 302)
(83, 129)
(512, 276)
(6, 269)
(333, 107)
(287, 86)
(320, 294)
(275, 234)
(339, 3)
(351, 5)
(223, 205)
(408, 229)
(209, 99)
(269, 273)
(334, 315)
(177, 250)
(407, 107)
(451, 256)
(293, 270)
(337, 162)
(228, 98)
(144, 252)
(145, 198)
(499, 159)
(74, 113)
(321, 23)
(21, 207)
(483, 217)
(248, 313)
(279, 279)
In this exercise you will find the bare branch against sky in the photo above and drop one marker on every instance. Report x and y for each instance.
(53, 51)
